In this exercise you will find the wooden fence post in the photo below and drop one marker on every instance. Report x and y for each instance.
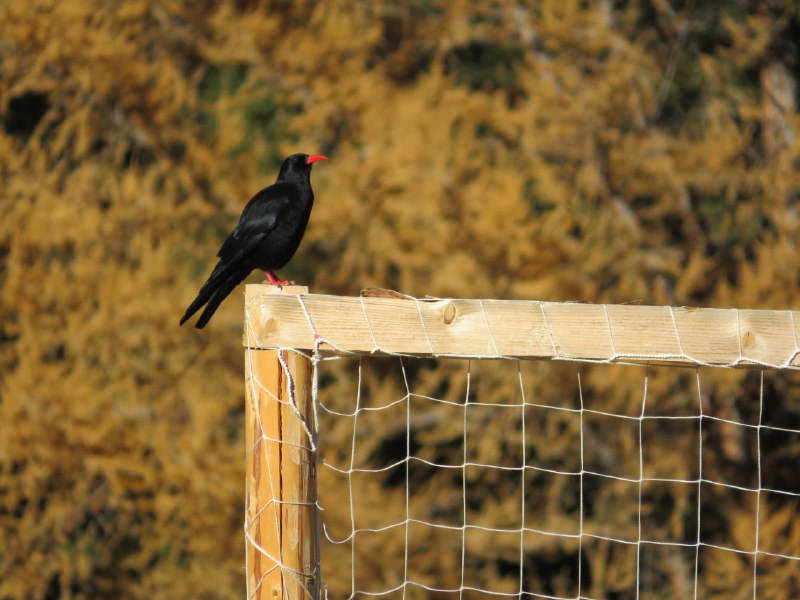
(280, 499)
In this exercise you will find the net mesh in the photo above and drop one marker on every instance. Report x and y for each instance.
(457, 477)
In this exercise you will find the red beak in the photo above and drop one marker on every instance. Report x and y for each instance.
(312, 158)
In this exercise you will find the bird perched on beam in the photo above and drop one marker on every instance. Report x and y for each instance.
(267, 236)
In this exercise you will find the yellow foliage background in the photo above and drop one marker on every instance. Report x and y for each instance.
(600, 151)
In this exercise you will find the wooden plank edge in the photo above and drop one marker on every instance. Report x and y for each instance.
(485, 329)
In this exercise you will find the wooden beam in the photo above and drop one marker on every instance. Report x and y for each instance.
(628, 334)
(281, 516)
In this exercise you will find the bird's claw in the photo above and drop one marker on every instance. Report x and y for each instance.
(278, 282)
(273, 280)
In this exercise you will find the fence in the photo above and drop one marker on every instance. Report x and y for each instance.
(470, 448)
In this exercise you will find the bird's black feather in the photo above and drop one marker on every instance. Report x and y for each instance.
(268, 233)
(233, 267)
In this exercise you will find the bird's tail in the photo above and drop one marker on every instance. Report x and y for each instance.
(213, 292)
(216, 298)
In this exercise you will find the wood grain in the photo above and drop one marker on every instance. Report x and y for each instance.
(630, 334)
(281, 516)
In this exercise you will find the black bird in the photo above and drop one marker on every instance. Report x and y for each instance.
(267, 236)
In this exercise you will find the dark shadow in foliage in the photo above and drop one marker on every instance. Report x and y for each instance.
(487, 66)
(390, 451)
(537, 205)
(402, 49)
(138, 155)
(544, 569)
(706, 34)
(24, 113)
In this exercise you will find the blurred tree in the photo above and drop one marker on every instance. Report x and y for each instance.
(551, 149)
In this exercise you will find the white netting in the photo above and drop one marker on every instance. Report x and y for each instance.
(448, 477)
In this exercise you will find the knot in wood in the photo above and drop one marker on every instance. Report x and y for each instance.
(449, 314)
(748, 339)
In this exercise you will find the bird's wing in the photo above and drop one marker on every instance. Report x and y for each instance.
(258, 218)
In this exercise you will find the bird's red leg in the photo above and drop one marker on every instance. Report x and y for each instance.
(272, 279)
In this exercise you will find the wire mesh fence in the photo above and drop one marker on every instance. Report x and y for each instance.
(454, 477)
